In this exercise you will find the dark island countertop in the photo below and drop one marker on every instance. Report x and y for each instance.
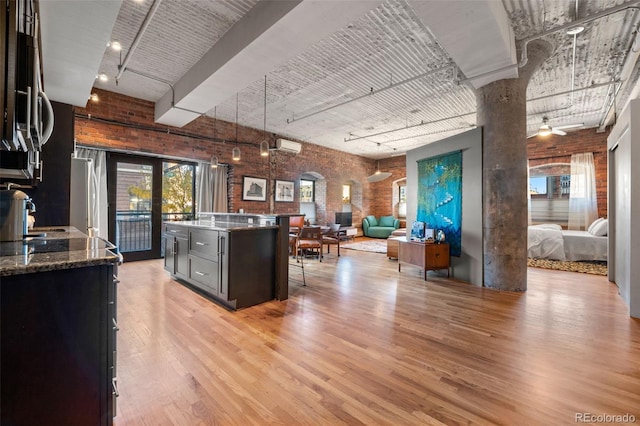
(53, 248)
(224, 226)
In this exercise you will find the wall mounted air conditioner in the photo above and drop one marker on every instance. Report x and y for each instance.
(288, 146)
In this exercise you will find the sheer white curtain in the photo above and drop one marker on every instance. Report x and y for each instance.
(211, 188)
(99, 158)
(583, 205)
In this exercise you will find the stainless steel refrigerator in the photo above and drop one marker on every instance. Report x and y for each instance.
(83, 198)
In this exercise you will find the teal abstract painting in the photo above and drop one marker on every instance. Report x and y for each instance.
(440, 196)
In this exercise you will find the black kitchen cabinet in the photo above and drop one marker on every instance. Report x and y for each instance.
(58, 347)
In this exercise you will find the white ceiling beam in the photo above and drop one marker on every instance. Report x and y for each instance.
(477, 34)
(74, 37)
(269, 35)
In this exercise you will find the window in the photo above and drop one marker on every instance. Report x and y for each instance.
(549, 186)
(549, 190)
(346, 194)
(307, 191)
(402, 202)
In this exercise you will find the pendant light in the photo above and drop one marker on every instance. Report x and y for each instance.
(214, 157)
(264, 145)
(378, 175)
(235, 153)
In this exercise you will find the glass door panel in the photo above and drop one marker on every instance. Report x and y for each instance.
(177, 191)
(134, 187)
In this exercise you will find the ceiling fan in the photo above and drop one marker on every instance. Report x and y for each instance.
(546, 130)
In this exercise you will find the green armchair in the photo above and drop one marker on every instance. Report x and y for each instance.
(379, 228)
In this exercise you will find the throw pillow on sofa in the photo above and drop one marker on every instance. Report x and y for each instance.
(372, 221)
(387, 221)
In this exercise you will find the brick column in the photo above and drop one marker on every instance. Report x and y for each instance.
(502, 114)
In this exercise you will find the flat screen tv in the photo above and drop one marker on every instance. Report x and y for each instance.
(343, 218)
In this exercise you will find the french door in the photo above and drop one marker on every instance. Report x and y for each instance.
(143, 192)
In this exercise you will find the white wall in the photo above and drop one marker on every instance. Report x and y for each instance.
(469, 266)
(624, 206)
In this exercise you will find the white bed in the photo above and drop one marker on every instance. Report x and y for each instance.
(549, 241)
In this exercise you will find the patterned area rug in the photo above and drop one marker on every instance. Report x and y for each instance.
(374, 246)
(596, 268)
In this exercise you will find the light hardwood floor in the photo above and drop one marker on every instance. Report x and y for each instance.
(364, 344)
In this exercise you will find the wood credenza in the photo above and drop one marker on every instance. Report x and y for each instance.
(426, 256)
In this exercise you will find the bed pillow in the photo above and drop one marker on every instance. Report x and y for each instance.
(549, 226)
(594, 223)
(600, 230)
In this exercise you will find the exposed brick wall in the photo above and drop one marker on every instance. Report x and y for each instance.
(382, 193)
(558, 149)
(335, 167)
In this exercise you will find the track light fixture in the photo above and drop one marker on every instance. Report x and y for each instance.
(115, 45)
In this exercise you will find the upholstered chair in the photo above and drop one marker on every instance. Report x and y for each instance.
(332, 237)
(310, 239)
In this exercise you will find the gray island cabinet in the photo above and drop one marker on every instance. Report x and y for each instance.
(232, 259)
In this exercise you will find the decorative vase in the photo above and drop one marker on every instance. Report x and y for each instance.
(440, 236)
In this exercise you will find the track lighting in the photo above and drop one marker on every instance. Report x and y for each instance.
(115, 45)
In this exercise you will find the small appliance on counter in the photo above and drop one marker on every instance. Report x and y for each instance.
(15, 207)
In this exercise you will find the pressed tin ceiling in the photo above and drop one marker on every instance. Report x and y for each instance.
(393, 77)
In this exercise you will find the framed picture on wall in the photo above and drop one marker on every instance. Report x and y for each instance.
(284, 191)
(254, 189)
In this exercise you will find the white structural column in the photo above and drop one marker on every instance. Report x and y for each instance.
(270, 34)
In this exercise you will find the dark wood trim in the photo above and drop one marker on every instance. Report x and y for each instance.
(156, 199)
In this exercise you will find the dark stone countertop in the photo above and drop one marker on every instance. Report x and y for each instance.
(225, 226)
(61, 247)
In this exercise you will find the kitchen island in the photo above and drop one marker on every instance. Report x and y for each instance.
(237, 260)
(58, 324)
